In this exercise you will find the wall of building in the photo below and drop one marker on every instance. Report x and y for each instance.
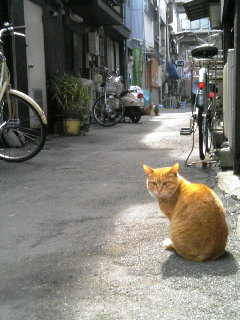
(163, 10)
(148, 32)
(65, 45)
(175, 22)
(137, 31)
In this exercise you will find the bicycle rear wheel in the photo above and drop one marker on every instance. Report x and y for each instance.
(108, 110)
(22, 131)
(207, 131)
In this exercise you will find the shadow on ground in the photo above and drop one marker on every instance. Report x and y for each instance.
(176, 266)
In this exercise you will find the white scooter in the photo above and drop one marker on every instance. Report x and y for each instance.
(133, 103)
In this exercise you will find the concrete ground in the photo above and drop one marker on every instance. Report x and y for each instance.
(80, 236)
(229, 183)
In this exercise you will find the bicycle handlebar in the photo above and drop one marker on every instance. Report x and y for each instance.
(9, 28)
(109, 72)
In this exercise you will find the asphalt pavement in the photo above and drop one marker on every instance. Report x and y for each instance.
(81, 237)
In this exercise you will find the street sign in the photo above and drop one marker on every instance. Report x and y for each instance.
(180, 63)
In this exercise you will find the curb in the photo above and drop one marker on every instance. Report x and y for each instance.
(229, 183)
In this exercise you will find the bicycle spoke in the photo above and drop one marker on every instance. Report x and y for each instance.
(108, 110)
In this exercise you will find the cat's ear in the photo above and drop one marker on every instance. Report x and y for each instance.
(174, 169)
(148, 169)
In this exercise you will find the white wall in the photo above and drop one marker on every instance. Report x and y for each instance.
(174, 24)
(149, 33)
(163, 10)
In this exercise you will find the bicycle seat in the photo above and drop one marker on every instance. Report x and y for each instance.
(204, 51)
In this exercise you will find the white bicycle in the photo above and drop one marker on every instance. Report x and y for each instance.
(22, 121)
(205, 113)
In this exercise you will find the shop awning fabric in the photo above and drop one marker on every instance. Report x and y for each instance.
(172, 71)
(197, 9)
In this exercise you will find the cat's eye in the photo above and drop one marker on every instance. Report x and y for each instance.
(165, 182)
(153, 183)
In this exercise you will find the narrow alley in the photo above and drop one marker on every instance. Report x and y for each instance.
(81, 236)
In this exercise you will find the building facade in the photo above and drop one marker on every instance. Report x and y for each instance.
(76, 37)
(148, 44)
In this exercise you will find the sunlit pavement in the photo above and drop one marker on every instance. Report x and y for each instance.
(81, 237)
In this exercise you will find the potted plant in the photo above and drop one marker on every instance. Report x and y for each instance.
(72, 99)
(148, 109)
(156, 110)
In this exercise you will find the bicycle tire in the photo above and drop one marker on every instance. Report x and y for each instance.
(108, 113)
(22, 134)
(200, 131)
(208, 140)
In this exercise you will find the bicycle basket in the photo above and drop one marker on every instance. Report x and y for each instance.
(113, 84)
(112, 88)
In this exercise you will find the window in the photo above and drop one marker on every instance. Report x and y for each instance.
(201, 24)
(148, 7)
(182, 16)
(195, 24)
(205, 23)
(185, 24)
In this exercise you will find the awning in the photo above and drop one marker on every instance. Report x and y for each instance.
(197, 9)
(118, 33)
(172, 71)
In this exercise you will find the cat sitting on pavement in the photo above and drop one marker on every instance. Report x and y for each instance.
(198, 228)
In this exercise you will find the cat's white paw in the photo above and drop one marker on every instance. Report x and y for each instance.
(167, 244)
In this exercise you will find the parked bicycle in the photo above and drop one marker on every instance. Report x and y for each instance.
(22, 121)
(116, 103)
(205, 113)
(108, 109)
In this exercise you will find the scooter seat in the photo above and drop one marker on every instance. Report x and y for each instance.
(204, 51)
(126, 92)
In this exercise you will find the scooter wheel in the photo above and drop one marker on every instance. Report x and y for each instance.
(135, 115)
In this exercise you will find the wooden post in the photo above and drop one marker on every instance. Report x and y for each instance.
(236, 124)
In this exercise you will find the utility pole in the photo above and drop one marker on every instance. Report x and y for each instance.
(236, 129)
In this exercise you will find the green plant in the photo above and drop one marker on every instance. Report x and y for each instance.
(156, 110)
(71, 96)
(137, 67)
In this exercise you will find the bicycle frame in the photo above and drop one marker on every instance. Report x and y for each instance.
(4, 81)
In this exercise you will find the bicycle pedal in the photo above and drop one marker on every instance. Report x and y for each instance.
(186, 131)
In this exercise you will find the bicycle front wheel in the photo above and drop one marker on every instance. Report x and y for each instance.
(22, 131)
(108, 110)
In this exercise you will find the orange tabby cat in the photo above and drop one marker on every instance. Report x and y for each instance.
(198, 228)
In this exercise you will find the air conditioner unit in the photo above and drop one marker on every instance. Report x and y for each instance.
(229, 96)
(93, 43)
